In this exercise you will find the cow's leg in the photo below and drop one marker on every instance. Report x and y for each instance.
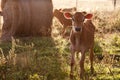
(63, 31)
(72, 63)
(91, 60)
(82, 64)
(77, 55)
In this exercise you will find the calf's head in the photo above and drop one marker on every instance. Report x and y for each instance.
(78, 20)
(57, 12)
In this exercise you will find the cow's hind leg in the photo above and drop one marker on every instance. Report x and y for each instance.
(91, 60)
(63, 31)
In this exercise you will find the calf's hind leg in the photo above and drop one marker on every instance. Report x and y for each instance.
(91, 60)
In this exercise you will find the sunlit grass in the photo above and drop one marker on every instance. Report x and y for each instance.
(48, 58)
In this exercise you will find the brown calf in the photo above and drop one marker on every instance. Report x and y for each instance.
(81, 38)
(65, 22)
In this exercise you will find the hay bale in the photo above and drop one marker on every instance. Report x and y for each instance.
(24, 18)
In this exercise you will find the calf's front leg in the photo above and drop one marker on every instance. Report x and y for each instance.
(82, 59)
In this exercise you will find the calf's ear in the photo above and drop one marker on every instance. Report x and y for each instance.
(88, 16)
(60, 9)
(84, 13)
(68, 15)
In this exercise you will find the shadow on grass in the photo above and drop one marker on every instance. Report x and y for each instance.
(33, 58)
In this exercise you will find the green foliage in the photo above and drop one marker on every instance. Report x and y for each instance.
(97, 47)
(41, 56)
(34, 77)
(116, 41)
(113, 45)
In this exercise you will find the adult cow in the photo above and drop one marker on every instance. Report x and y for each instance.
(24, 18)
(81, 38)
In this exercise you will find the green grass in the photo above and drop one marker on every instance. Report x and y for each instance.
(49, 59)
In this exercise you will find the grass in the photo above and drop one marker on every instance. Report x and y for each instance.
(48, 58)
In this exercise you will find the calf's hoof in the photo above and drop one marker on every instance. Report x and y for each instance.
(71, 76)
(92, 70)
(81, 77)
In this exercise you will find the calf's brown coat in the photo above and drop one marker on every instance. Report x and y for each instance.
(81, 38)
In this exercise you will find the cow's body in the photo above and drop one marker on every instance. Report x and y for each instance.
(65, 22)
(82, 39)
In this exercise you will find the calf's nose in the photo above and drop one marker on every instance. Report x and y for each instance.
(77, 29)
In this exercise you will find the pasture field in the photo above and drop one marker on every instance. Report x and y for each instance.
(44, 58)
(48, 58)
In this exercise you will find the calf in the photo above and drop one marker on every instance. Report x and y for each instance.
(65, 22)
(81, 38)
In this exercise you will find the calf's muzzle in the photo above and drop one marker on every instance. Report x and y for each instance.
(77, 29)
